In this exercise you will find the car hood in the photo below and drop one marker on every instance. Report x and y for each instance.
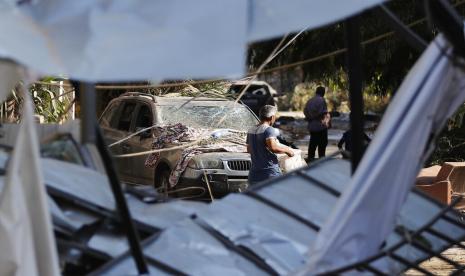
(223, 155)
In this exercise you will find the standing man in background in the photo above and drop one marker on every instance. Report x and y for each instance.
(262, 144)
(319, 120)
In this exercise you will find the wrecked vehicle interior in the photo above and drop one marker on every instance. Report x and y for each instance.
(357, 216)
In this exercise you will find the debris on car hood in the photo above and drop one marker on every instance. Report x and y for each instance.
(197, 141)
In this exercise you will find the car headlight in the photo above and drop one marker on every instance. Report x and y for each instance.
(199, 163)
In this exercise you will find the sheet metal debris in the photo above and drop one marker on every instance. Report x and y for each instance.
(269, 229)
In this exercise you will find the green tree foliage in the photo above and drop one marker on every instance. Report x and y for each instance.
(450, 145)
(49, 104)
(385, 62)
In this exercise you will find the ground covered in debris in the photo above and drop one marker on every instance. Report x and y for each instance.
(438, 267)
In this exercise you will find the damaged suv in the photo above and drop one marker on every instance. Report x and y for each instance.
(215, 163)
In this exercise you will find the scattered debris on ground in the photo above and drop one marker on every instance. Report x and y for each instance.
(439, 267)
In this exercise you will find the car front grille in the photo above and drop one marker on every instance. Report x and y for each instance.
(239, 165)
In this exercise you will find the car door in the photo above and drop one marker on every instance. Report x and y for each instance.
(109, 124)
(142, 142)
(108, 121)
(122, 130)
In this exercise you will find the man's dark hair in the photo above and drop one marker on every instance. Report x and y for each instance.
(320, 90)
(266, 112)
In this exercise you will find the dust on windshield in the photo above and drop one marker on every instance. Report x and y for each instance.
(238, 117)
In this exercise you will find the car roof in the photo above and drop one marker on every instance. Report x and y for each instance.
(175, 99)
(254, 83)
(246, 82)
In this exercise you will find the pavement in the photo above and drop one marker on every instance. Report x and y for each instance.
(295, 130)
(333, 139)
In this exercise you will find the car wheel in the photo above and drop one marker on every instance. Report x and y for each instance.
(162, 180)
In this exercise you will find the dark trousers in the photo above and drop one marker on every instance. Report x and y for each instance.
(318, 139)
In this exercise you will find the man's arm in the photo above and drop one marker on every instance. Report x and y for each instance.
(274, 147)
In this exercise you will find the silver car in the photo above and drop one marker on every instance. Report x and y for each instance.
(224, 171)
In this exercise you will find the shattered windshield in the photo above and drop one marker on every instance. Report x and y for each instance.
(208, 116)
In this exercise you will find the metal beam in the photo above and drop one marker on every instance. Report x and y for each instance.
(414, 40)
(91, 135)
(355, 89)
(85, 96)
(443, 14)
(88, 113)
(121, 205)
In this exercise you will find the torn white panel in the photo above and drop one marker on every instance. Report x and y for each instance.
(69, 179)
(26, 238)
(127, 40)
(186, 245)
(271, 18)
(135, 40)
(106, 242)
(17, 256)
(277, 239)
(126, 267)
(429, 95)
(162, 215)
